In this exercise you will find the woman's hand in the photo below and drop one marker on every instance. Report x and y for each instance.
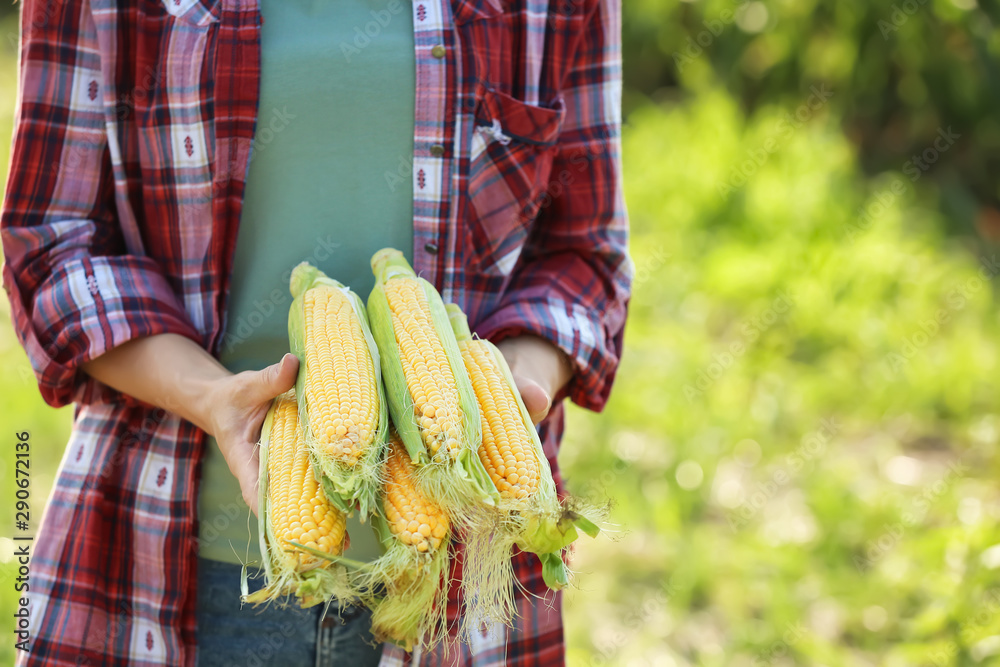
(238, 405)
(540, 370)
(174, 373)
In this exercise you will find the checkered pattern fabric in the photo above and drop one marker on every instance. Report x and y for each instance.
(133, 135)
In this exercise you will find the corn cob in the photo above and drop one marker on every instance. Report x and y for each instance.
(415, 533)
(506, 450)
(407, 586)
(293, 513)
(427, 388)
(343, 413)
(532, 516)
(412, 518)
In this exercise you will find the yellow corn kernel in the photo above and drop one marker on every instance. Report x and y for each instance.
(429, 377)
(506, 450)
(340, 380)
(298, 509)
(417, 521)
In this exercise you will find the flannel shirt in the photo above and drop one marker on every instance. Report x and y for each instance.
(132, 139)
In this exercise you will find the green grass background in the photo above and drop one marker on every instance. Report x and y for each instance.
(801, 445)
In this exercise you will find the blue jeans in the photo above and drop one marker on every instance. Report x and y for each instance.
(290, 637)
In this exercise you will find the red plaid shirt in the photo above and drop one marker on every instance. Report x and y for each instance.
(132, 142)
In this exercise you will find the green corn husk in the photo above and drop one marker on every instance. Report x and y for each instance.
(413, 608)
(348, 484)
(459, 483)
(540, 523)
(406, 589)
(311, 584)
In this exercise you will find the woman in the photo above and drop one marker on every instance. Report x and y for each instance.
(481, 139)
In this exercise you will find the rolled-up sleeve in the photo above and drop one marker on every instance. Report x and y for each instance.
(75, 292)
(572, 282)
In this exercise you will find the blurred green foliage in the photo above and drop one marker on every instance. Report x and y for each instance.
(899, 71)
(802, 442)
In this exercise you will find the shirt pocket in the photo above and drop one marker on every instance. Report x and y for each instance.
(511, 152)
(193, 12)
(466, 11)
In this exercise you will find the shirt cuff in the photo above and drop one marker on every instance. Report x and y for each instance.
(580, 333)
(85, 308)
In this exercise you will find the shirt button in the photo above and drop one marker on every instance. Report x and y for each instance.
(437, 51)
(437, 150)
(431, 248)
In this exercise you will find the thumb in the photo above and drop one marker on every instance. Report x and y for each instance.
(536, 399)
(277, 378)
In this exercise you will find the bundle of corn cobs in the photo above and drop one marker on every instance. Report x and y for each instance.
(401, 415)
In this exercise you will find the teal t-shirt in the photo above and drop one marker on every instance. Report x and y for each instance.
(335, 116)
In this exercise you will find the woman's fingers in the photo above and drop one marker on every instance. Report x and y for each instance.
(275, 379)
(245, 402)
(540, 370)
(272, 381)
(536, 399)
(250, 481)
(244, 463)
